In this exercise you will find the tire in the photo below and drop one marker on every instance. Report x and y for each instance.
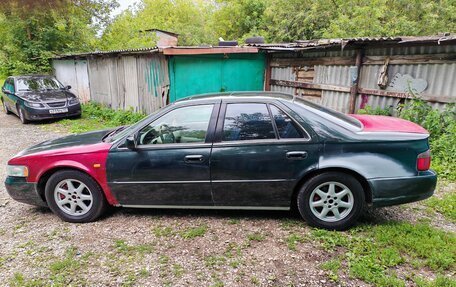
(348, 205)
(5, 109)
(85, 193)
(22, 116)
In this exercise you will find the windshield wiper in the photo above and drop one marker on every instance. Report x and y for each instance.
(109, 135)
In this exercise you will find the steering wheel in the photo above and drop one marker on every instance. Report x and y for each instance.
(165, 130)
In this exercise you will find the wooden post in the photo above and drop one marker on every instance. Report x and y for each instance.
(267, 76)
(354, 84)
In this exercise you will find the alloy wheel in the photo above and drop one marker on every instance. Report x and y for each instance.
(331, 201)
(73, 197)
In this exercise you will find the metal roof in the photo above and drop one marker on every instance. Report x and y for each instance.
(361, 41)
(111, 52)
(299, 45)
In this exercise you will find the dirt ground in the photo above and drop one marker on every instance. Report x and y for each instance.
(157, 247)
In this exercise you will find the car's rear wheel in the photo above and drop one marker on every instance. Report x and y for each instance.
(331, 200)
(5, 108)
(74, 196)
(22, 116)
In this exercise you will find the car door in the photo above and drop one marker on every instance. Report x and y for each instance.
(9, 95)
(170, 165)
(259, 154)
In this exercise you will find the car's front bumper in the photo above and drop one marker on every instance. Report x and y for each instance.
(21, 190)
(392, 191)
(32, 114)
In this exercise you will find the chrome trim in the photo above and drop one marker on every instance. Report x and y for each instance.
(209, 207)
(250, 180)
(200, 181)
(161, 182)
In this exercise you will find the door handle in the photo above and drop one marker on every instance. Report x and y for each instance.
(296, 154)
(194, 158)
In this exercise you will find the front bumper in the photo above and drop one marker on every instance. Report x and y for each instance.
(21, 190)
(393, 191)
(32, 114)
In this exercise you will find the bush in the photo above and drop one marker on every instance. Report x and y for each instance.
(442, 128)
(109, 116)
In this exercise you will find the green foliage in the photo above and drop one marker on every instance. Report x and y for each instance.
(374, 252)
(442, 128)
(193, 232)
(188, 18)
(368, 110)
(445, 205)
(98, 117)
(32, 34)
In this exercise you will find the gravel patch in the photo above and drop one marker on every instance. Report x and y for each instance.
(130, 247)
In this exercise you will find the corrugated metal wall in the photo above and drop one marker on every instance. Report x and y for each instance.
(138, 82)
(439, 76)
(75, 74)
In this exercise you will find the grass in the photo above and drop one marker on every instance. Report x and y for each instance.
(293, 239)
(122, 247)
(373, 253)
(193, 232)
(98, 117)
(445, 205)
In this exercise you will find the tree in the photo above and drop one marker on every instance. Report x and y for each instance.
(239, 19)
(188, 18)
(34, 31)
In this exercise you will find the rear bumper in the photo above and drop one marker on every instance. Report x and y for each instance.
(392, 191)
(43, 114)
(21, 190)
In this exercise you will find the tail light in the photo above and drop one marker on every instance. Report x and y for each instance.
(423, 161)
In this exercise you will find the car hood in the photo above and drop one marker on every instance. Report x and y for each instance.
(388, 124)
(69, 144)
(46, 96)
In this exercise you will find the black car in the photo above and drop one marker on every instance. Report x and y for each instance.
(35, 98)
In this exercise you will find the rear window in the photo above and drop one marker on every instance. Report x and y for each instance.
(322, 111)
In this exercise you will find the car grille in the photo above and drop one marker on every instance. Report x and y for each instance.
(56, 104)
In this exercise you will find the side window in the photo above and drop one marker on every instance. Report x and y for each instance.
(247, 122)
(182, 125)
(285, 126)
(9, 85)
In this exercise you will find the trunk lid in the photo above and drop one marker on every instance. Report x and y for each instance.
(388, 124)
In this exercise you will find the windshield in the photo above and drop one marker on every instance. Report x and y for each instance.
(38, 84)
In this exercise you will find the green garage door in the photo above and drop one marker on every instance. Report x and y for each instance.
(199, 74)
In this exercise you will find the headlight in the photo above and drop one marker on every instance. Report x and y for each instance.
(17, 170)
(73, 101)
(34, 105)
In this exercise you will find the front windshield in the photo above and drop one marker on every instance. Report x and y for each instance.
(38, 84)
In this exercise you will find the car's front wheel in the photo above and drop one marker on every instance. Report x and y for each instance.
(5, 108)
(74, 196)
(331, 200)
(22, 116)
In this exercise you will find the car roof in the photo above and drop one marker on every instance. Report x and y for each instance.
(240, 95)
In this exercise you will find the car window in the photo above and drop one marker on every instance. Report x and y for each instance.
(247, 122)
(9, 86)
(286, 128)
(182, 125)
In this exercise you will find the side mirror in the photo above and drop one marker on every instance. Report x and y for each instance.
(130, 142)
(68, 87)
